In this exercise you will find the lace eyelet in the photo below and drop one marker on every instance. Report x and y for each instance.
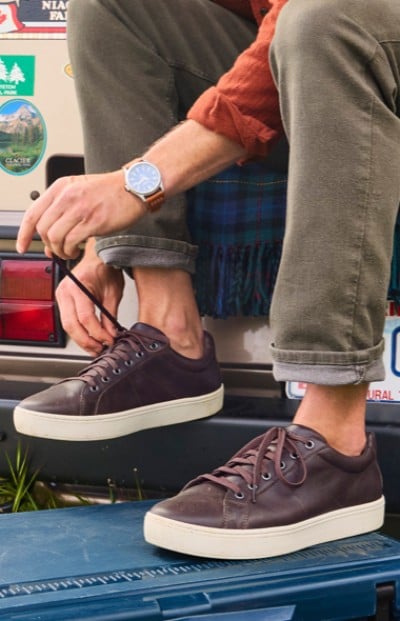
(293, 456)
(252, 487)
(309, 444)
(154, 346)
(128, 363)
(139, 354)
(117, 371)
(239, 496)
(105, 380)
(266, 476)
(283, 465)
(94, 388)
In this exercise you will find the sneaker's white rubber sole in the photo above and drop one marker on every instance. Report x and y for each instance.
(256, 543)
(107, 426)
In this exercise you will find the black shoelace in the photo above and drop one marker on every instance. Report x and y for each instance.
(67, 272)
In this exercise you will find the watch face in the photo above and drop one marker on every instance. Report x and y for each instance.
(143, 178)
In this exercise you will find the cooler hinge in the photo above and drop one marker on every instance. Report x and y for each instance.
(385, 594)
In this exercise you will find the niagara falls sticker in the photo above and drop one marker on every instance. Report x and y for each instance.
(22, 137)
(32, 17)
(9, 21)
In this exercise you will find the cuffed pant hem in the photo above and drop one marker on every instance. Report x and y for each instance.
(329, 368)
(124, 251)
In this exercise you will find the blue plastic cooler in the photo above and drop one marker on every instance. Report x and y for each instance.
(92, 563)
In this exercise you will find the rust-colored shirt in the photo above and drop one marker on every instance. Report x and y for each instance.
(244, 104)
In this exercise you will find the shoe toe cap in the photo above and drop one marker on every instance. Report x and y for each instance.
(201, 505)
(58, 399)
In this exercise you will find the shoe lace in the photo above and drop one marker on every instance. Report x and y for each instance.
(67, 272)
(252, 462)
(127, 344)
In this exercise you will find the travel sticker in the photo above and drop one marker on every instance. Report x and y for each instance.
(22, 137)
(68, 70)
(37, 17)
(17, 75)
(9, 21)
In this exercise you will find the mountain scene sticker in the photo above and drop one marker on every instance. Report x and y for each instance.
(22, 137)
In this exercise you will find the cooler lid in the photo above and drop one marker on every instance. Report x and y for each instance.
(92, 563)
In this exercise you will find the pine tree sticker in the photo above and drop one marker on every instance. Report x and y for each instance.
(3, 71)
(16, 74)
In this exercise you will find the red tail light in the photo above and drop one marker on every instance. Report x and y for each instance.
(28, 311)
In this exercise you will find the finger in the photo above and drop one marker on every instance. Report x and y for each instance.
(68, 246)
(96, 330)
(58, 211)
(64, 233)
(109, 328)
(75, 239)
(78, 333)
(86, 342)
(71, 322)
(87, 319)
(111, 303)
(30, 219)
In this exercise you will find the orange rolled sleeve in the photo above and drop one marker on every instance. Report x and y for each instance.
(244, 104)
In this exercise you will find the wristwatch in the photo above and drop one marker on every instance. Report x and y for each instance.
(143, 179)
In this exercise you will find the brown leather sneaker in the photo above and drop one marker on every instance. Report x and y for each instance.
(138, 383)
(284, 491)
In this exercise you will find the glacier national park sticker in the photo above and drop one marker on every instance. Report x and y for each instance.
(22, 137)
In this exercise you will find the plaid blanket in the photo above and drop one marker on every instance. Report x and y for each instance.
(394, 285)
(237, 219)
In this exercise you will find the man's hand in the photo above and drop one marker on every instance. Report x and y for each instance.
(77, 312)
(73, 209)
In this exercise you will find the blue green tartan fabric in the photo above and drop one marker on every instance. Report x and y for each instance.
(394, 285)
(237, 219)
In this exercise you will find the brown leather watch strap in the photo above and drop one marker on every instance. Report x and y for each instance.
(154, 202)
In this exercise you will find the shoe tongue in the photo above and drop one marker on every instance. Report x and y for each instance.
(148, 331)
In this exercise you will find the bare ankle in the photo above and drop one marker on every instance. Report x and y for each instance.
(186, 338)
(167, 302)
(338, 414)
(188, 346)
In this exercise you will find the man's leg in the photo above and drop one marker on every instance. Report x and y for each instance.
(143, 63)
(329, 304)
(138, 66)
(337, 69)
